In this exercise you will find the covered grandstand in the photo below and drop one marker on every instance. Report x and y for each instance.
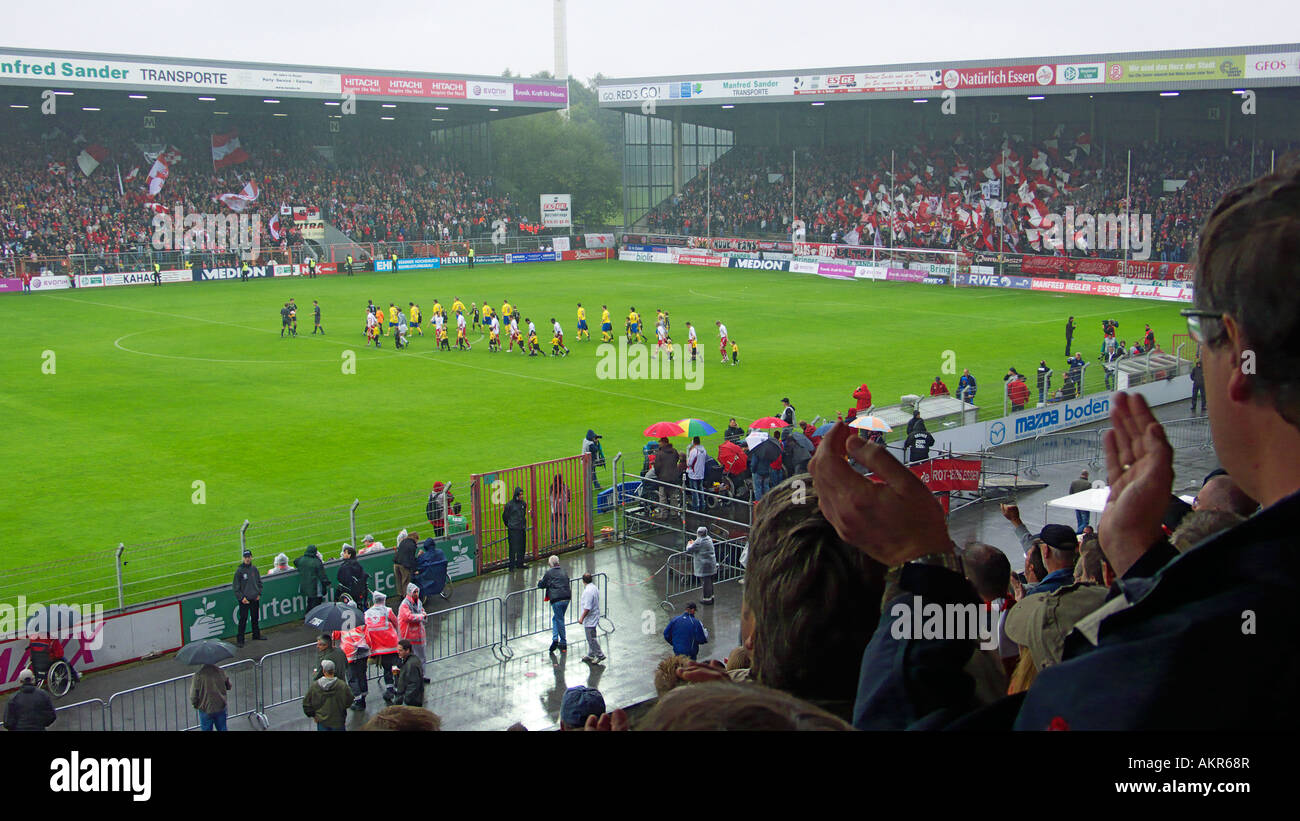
(926, 155)
(347, 160)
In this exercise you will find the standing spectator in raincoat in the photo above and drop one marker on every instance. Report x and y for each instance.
(701, 550)
(381, 635)
(357, 652)
(410, 621)
(312, 581)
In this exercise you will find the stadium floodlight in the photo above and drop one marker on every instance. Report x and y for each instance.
(271, 101)
(88, 108)
(921, 101)
(1036, 97)
(494, 109)
(333, 102)
(221, 112)
(729, 105)
(819, 103)
(16, 105)
(387, 118)
(157, 111)
(441, 107)
(1239, 91)
(388, 105)
(1169, 94)
(278, 114)
(437, 119)
(207, 99)
(63, 93)
(137, 96)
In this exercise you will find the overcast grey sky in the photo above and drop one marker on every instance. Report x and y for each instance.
(648, 37)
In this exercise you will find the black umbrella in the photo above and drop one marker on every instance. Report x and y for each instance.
(764, 452)
(207, 651)
(331, 616)
(802, 440)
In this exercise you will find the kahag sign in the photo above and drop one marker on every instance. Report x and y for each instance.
(557, 211)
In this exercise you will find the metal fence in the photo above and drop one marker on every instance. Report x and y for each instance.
(464, 629)
(81, 717)
(526, 613)
(1085, 446)
(140, 572)
(680, 578)
(559, 496)
(165, 705)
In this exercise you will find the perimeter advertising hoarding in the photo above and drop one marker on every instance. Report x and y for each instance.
(168, 76)
(1180, 69)
(557, 210)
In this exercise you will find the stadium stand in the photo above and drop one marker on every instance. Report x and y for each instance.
(938, 191)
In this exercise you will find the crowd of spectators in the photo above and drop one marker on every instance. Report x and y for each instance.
(373, 189)
(936, 200)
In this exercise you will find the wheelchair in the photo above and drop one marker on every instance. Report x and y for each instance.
(52, 672)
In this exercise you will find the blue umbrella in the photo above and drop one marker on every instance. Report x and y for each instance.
(824, 429)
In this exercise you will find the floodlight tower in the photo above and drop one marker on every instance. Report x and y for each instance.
(562, 47)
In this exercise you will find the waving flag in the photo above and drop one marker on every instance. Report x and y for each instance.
(90, 158)
(226, 150)
(57, 168)
(275, 227)
(238, 202)
(157, 176)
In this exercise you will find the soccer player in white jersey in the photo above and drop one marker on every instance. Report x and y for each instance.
(461, 342)
(690, 339)
(722, 335)
(494, 338)
(557, 339)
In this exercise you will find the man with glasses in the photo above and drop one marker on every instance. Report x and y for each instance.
(1165, 623)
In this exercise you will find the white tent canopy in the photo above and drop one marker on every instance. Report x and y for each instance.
(1092, 500)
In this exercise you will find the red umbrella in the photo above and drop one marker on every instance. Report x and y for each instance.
(732, 457)
(662, 429)
(767, 423)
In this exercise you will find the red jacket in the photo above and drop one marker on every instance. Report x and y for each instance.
(938, 389)
(410, 621)
(353, 643)
(381, 630)
(863, 395)
(1017, 392)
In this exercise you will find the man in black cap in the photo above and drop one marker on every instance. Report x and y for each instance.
(787, 412)
(248, 592)
(515, 518)
(32, 709)
(1059, 550)
(580, 702)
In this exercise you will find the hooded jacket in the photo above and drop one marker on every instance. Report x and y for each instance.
(381, 630)
(353, 643)
(706, 559)
(327, 701)
(410, 625)
(406, 554)
(409, 688)
(353, 578)
(312, 581)
(515, 515)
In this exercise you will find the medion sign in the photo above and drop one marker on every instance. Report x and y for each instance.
(760, 264)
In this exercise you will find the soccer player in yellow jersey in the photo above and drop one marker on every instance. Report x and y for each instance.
(582, 323)
(735, 353)
(436, 310)
(606, 326)
(634, 326)
(415, 318)
(506, 311)
(457, 307)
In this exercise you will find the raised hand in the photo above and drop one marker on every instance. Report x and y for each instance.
(894, 520)
(1139, 468)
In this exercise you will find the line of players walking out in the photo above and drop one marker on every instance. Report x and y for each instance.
(401, 325)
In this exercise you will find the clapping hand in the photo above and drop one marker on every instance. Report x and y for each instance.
(893, 521)
(1139, 467)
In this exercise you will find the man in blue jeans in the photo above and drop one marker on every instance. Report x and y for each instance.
(559, 592)
(208, 696)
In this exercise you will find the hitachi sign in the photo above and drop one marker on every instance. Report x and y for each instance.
(1074, 413)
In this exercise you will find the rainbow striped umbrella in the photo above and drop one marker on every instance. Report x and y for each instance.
(696, 427)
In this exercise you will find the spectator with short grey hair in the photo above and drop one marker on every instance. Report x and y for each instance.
(559, 592)
(590, 604)
(29, 709)
(327, 700)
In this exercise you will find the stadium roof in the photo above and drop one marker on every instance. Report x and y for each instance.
(59, 70)
(1232, 67)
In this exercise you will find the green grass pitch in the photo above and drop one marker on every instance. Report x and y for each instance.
(155, 388)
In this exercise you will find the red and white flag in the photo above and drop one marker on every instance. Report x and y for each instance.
(57, 168)
(226, 150)
(155, 208)
(157, 176)
(1084, 141)
(90, 158)
(275, 227)
(238, 202)
(133, 173)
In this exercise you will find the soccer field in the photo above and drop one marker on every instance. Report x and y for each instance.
(152, 389)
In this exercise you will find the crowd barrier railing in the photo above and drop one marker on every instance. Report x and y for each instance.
(83, 716)
(526, 613)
